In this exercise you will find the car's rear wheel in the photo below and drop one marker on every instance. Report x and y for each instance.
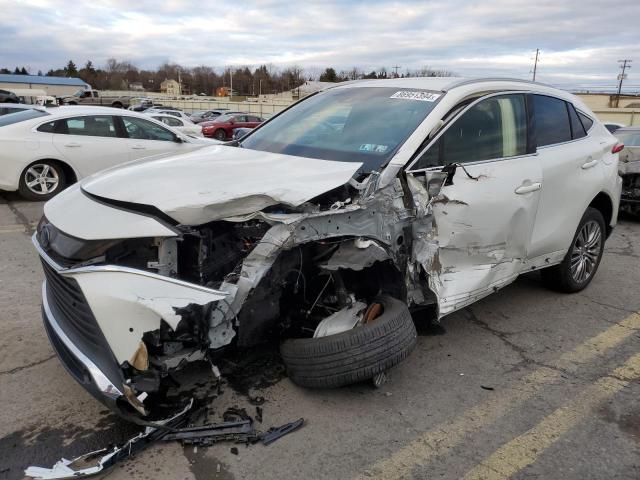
(220, 134)
(583, 258)
(116, 105)
(42, 180)
(354, 355)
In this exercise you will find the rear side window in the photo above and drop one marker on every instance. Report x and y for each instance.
(21, 117)
(586, 121)
(90, 126)
(552, 120)
(577, 130)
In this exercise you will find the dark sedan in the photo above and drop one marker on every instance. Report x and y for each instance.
(8, 97)
(222, 127)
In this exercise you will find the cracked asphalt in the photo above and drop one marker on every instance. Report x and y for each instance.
(526, 383)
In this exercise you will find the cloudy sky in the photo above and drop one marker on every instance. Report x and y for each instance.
(580, 40)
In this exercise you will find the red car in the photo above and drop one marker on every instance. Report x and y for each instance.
(223, 126)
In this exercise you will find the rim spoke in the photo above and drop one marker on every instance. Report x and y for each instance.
(32, 183)
(33, 172)
(45, 170)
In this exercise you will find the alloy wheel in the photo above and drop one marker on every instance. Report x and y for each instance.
(41, 178)
(586, 251)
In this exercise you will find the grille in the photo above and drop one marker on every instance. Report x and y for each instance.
(72, 310)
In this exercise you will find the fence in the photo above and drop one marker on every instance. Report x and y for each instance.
(626, 116)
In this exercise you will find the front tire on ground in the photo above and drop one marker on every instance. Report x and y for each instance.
(583, 258)
(220, 134)
(355, 355)
(42, 180)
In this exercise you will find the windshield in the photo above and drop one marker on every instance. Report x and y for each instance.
(360, 124)
(12, 118)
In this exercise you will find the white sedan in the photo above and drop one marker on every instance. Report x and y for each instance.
(183, 125)
(45, 149)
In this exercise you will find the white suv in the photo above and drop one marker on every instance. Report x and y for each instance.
(321, 229)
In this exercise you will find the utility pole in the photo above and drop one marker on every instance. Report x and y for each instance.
(621, 77)
(535, 64)
(231, 83)
(396, 67)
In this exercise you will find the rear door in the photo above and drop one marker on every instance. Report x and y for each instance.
(472, 233)
(572, 173)
(89, 143)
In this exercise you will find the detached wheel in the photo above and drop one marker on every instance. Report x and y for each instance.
(220, 134)
(355, 355)
(583, 258)
(42, 180)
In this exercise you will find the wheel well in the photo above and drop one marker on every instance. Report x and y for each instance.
(603, 203)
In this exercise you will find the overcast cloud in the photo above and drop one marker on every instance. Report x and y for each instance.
(580, 40)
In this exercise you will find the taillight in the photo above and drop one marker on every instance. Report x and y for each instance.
(617, 148)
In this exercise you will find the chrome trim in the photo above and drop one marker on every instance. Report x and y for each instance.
(115, 268)
(101, 381)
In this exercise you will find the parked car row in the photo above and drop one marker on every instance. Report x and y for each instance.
(46, 149)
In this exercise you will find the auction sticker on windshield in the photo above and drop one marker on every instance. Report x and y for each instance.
(413, 95)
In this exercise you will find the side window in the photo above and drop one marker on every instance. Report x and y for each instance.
(577, 130)
(493, 128)
(174, 113)
(47, 127)
(240, 118)
(141, 129)
(92, 126)
(586, 121)
(254, 119)
(173, 122)
(551, 120)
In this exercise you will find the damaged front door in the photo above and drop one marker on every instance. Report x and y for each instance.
(482, 217)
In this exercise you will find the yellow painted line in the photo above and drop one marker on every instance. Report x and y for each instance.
(447, 435)
(525, 449)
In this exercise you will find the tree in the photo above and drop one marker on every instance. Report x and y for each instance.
(23, 71)
(371, 74)
(16, 71)
(39, 73)
(70, 70)
(5, 70)
(329, 75)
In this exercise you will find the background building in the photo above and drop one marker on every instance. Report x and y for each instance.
(170, 87)
(54, 86)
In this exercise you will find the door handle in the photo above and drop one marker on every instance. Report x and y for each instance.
(528, 188)
(72, 144)
(589, 164)
(138, 147)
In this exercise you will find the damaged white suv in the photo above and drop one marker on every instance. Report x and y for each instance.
(321, 229)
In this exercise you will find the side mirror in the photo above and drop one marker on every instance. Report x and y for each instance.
(178, 139)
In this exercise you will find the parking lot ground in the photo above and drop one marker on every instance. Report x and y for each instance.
(526, 383)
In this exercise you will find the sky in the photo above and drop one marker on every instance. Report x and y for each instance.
(580, 41)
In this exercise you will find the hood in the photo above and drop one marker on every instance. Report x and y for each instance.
(219, 182)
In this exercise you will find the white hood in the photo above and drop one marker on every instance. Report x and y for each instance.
(220, 181)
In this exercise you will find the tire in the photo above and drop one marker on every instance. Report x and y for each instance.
(220, 134)
(72, 103)
(591, 231)
(355, 355)
(116, 105)
(33, 191)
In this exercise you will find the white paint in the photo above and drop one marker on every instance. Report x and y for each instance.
(121, 301)
(77, 215)
(220, 181)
